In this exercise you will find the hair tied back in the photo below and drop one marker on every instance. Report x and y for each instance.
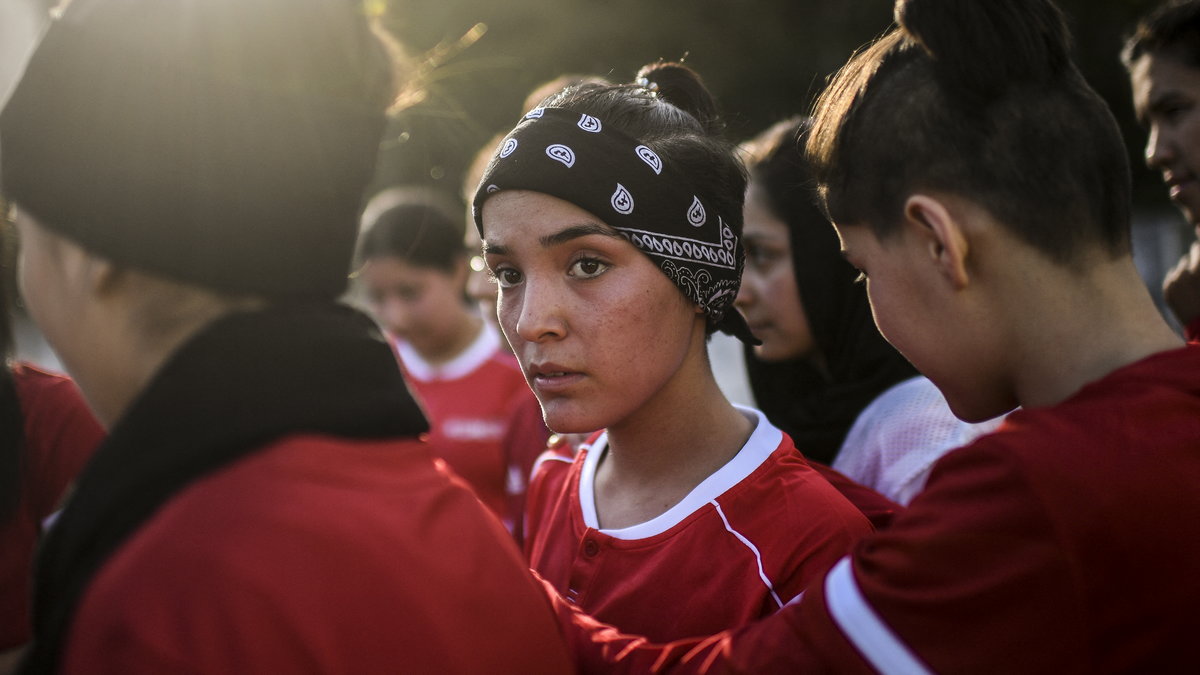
(980, 48)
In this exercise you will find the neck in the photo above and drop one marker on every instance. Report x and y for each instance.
(669, 446)
(132, 355)
(1103, 321)
(461, 336)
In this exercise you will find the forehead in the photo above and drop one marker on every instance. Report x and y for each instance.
(393, 269)
(1155, 76)
(852, 235)
(512, 216)
(760, 225)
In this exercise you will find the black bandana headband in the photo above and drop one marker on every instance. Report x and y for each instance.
(624, 183)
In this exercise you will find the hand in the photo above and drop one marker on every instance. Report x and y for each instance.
(1181, 287)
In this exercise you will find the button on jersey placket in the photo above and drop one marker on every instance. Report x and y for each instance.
(586, 564)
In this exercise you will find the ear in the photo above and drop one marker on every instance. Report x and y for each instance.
(943, 235)
(86, 271)
(103, 276)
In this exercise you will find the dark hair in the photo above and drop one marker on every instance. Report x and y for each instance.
(816, 406)
(246, 125)
(978, 99)
(1173, 29)
(420, 232)
(676, 116)
(776, 163)
(11, 421)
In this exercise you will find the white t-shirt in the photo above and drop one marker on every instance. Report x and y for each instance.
(898, 437)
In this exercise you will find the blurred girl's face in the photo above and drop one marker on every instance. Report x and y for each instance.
(420, 305)
(480, 286)
(769, 296)
(600, 331)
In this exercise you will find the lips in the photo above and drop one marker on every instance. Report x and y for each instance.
(552, 377)
(1178, 182)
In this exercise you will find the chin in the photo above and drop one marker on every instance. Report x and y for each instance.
(975, 410)
(565, 418)
(772, 354)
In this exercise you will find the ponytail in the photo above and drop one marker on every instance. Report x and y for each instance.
(978, 50)
(978, 99)
(682, 87)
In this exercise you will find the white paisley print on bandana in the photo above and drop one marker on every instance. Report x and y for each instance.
(653, 205)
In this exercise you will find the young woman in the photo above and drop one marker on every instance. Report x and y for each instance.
(611, 219)
(483, 420)
(47, 434)
(823, 373)
(188, 177)
(1163, 58)
(983, 190)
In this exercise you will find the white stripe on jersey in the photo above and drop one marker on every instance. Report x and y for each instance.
(864, 628)
(547, 456)
(762, 574)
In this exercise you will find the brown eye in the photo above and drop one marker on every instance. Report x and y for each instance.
(507, 277)
(587, 268)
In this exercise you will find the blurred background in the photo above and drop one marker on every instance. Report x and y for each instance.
(475, 62)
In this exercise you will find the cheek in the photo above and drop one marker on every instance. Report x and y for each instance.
(508, 310)
(887, 315)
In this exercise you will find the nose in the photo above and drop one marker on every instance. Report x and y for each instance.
(745, 296)
(1159, 150)
(539, 313)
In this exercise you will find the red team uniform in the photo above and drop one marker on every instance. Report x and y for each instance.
(59, 436)
(1065, 542)
(436, 582)
(743, 543)
(485, 422)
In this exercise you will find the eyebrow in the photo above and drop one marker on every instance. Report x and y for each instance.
(1159, 101)
(560, 237)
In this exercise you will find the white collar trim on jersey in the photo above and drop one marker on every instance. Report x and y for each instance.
(762, 442)
(474, 356)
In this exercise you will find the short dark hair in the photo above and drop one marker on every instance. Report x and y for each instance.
(1173, 30)
(418, 231)
(978, 99)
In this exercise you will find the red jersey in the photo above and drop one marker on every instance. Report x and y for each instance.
(60, 434)
(484, 420)
(739, 546)
(317, 555)
(1065, 542)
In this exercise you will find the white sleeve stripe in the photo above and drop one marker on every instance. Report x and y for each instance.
(753, 549)
(864, 628)
(547, 456)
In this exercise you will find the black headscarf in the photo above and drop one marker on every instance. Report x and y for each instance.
(580, 159)
(242, 382)
(816, 408)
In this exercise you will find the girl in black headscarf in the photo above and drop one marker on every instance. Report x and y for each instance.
(822, 360)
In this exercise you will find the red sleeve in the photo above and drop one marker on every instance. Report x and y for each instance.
(60, 432)
(878, 509)
(969, 579)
